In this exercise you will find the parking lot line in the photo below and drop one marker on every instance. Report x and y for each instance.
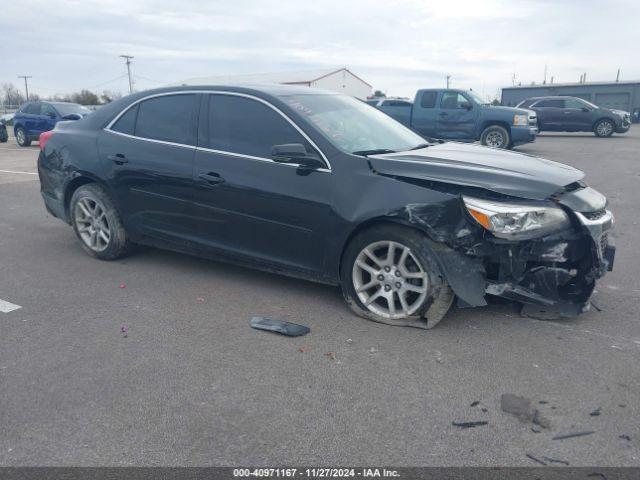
(23, 173)
(6, 307)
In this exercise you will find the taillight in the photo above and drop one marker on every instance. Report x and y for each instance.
(44, 137)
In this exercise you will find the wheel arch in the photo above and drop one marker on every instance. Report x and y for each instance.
(604, 117)
(490, 123)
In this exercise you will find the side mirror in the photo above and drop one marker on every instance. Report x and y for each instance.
(585, 109)
(50, 115)
(466, 105)
(72, 116)
(295, 153)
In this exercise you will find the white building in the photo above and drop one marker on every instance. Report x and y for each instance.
(338, 80)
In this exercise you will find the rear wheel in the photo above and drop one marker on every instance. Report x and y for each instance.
(21, 137)
(97, 223)
(495, 136)
(389, 276)
(604, 128)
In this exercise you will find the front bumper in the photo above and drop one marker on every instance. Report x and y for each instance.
(520, 135)
(555, 276)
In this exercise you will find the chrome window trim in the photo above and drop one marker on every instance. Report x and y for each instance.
(219, 92)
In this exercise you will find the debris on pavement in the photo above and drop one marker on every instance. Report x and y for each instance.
(535, 430)
(122, 285)
(331, 355)
(349, 341)
(279, 326)
(596, 412)
(475, 404)
(555, 460)
(373, 350)
(124, 330)
(301, 349)
(522, 408)
(200, 300)
(625, 437)
(537, 460)
(573, 435)
(469, 424)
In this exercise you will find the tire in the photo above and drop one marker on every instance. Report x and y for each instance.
(495, 136)
(97, 223)
(426, 300)
(21, 137)
(604, 128)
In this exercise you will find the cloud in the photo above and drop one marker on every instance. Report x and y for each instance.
(397, 46)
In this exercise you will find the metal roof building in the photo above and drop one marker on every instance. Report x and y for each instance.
(336, 79)
(618, 95)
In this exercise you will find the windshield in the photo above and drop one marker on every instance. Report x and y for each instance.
(476, 98)
(65, 109)
(353, 126)
(588, 103)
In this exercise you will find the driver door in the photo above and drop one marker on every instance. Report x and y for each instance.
(247, 204)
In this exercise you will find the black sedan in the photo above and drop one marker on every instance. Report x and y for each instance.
(321, 186)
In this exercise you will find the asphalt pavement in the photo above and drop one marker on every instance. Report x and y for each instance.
(191, 384)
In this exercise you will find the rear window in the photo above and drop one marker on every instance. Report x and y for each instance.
(31, 109)
(428, 99)
(167, 118)
(127, 122)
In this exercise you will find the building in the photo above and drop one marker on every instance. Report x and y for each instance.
(338, 80)
(618, 95)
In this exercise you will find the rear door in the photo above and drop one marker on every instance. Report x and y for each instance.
(31, 117)
(247, 204)
(424, 113)
(147, 156)
(454, 120)
(550, 113)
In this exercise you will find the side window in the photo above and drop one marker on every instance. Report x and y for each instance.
(246, 126)
(33, 109)
(573, 103)
(557, 103)
(428, 99)
(396, 103)
(127, 122)
(452, 100)
(47, 109)
(167, 118)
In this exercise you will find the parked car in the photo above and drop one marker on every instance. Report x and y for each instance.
(572, 114)
(33, 118)
(318, 185)
(4, 136)
(460, 115)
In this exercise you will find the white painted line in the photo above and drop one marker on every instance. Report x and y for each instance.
(7, 307)
(23, 173)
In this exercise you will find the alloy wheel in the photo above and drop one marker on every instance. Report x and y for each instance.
(91, 223)
(389, 280)
(604, 128)
(20, 136)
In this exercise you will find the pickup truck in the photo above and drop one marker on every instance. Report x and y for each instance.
(463, 116)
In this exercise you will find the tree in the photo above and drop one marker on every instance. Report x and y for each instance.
(11, 95)
(85, 97)
(379, 94)
(109, 96)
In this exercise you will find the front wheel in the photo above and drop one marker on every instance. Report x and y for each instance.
(21, 137)
(389, 275)
(604, 128)
(495, 136)
(97, 223)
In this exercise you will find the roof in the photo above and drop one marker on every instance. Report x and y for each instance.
(572, 84)
(299, 77)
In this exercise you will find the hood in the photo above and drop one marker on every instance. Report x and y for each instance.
(500, 171)
(513, 110)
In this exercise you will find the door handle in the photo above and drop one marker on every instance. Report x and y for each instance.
(118, 159)
(211, 178)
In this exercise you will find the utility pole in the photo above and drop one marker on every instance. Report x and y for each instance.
(128, 60)
(448, 78)
(544, 82)
(26, 85)
(618, 76)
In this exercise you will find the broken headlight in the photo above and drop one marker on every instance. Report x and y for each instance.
(516, 221)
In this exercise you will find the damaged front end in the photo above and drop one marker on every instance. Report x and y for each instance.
(551, 269)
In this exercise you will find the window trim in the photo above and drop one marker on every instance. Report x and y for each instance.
(107, 128)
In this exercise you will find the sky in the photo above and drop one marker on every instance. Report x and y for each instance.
(397, 46)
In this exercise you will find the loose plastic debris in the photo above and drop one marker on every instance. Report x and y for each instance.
(122, 285)
(124, 330)
(200, 300)
(572, 435)
(625, 437)
(331, 355)
(475, 404)
(469, 424)
(595, 413)
(555, 460)
(279, 326)
(522, 408)
(537, 460)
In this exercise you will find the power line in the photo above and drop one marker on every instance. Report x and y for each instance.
(26, 86)
(128, 59)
